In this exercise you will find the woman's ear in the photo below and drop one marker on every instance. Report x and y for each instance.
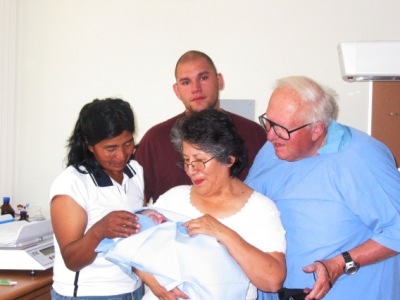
(232, 160)
(90, 148)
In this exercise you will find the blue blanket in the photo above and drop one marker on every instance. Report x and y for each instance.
(199, 265)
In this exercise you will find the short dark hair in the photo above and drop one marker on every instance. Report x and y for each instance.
(193, 55)
(98, 120)
(212, 131)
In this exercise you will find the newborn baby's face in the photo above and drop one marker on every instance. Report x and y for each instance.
(154, 215)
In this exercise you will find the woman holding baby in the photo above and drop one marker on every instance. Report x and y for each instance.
(93, 199)
(220, 205)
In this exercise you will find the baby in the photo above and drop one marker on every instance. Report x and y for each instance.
(154, 215)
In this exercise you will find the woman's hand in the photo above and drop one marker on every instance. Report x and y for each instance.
(117, 224)
(158, 290)
(208, 225)
(161, 293)
(69, 221)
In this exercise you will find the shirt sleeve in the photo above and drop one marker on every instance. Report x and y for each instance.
(68, 183)
(372, 191)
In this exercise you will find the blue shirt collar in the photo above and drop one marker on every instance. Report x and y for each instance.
(339, 136)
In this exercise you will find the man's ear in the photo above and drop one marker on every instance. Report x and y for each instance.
(176, 90)
(221, 83)
(318, 130)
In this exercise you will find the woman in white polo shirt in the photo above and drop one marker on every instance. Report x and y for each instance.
(92, 199)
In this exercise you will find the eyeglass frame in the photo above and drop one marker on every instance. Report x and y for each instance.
(181, 165)
(273, 124)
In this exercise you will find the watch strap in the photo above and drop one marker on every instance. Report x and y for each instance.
(347, 257)
(350, 267)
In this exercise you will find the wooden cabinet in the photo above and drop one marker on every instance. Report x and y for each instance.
(386, 115)
(28, 287)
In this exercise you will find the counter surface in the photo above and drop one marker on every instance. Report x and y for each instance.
(28, 286)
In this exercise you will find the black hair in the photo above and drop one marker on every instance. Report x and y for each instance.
(212, 131)
(98, 120)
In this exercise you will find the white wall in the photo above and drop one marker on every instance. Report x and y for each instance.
(8, 21)
(70, 52)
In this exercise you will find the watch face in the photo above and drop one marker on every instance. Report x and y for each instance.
(350, 267)
(351, 270)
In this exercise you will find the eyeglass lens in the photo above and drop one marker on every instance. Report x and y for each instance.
(196, 164)
(280, 131)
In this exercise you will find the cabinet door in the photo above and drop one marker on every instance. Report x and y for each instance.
(42, 293)
(386, 115)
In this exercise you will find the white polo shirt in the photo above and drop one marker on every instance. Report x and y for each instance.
(98, 196)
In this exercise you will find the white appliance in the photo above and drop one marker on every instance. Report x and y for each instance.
(26, 246)
(370, 61)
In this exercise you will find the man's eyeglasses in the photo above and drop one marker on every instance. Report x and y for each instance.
(280, 131)
(196, 164)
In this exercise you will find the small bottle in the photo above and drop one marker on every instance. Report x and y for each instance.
(23, 215)
(6, 208)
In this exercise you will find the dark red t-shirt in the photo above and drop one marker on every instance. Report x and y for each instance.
(159, 158)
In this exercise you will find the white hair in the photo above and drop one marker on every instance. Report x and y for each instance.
(322, 99)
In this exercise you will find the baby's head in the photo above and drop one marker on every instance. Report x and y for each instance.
(154, 215)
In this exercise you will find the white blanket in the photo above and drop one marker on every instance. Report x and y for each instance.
(199, 266)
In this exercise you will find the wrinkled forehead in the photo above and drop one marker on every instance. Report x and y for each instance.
(286, 107)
